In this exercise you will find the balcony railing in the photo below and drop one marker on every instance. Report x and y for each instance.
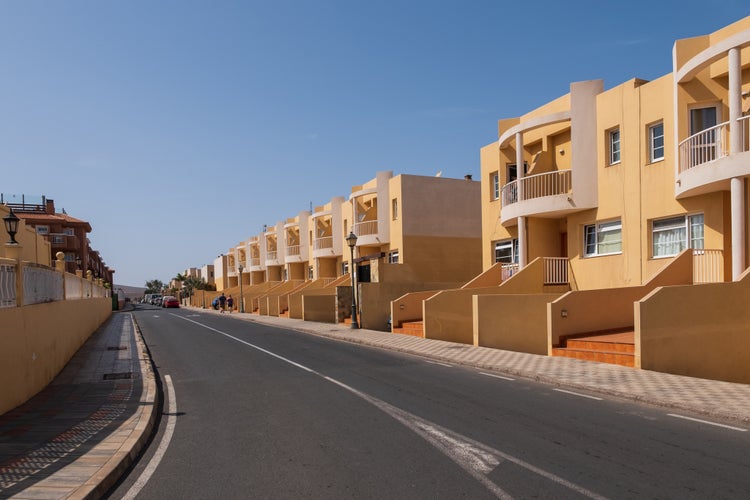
(708, 266)
(7, 285)
(537, 186)
(366, 228)
(556, 271)
(321, 243)
(272, 255)
(712, 144)
(255, 261)
(293, 250)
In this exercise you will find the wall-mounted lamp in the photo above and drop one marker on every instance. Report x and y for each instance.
(11, 226)
(564, 313)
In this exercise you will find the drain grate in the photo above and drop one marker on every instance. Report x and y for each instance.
(118, 376)
(117, 348)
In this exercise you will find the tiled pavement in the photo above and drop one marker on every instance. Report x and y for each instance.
(77, 437)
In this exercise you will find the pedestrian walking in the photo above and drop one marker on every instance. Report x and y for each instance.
(222, 302)
(230, 304)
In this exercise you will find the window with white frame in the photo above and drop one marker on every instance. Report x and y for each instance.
(673, 235)
(393, 257)
(614, 146)
(656, 142)
(42, 229)
(344, 268)
(495, 182)
(602, 239)
(506, 251)
(310, 272)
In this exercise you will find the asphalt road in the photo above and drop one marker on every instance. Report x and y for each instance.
(263, 412)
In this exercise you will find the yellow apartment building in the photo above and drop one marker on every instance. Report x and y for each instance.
(627, 198)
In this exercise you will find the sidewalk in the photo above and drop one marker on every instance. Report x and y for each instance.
(78, 436)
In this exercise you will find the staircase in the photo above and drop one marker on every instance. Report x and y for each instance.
(614, 347)
(414, 328)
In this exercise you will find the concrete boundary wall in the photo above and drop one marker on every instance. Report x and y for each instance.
(38, 341)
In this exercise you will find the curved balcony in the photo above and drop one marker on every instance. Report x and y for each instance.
(323, 247)
(706, 162)
(367, 232)
(541, 195)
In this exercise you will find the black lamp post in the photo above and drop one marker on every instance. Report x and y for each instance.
(11, 226)
(242, 302)
(351, 240)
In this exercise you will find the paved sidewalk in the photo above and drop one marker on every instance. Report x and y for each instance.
(76, 437)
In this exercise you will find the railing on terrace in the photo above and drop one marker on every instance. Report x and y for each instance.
(321, 243)
(708, 266)
(41, 284)
(366, 228)
(537, 186)
(556, 271)
(255, 261)
(293, 250)
(711, 144)
(7, 285)
(272, 255)
(508, 270)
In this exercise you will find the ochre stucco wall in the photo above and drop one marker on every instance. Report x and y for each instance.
(37, 341)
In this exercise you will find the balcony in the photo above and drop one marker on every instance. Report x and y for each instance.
(367, 232)
(706, 162)
(542, 195)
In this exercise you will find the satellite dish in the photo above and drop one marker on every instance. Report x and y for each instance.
(439, 174)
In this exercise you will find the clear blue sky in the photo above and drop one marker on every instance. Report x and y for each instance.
(178, 128)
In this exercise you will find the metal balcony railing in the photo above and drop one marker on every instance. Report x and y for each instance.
(366, 228)
(293, 250)
(321, 243)
(7, 286)
(508, 270)
(712, 144)
(255, 261)
(272, 255)
(537, 186)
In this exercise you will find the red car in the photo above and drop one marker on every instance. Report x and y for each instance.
(169, 301)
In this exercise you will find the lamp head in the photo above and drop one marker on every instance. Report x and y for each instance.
(11, 226)
(351, 240)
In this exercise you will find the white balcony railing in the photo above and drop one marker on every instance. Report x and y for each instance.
(556, 271)
(293, 250)
(7, 286)
(366, 228)
(704, 147)
(708, 266)
(537, 186)
(255, 261)
(321, 243)
(272, 255)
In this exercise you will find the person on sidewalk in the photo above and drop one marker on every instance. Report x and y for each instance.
(222, 302)
(230, 304)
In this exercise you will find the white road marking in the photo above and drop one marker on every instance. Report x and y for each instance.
(497, 376)
(163, 445)
(740, 429)
(578, 394)
(437, 363)
(474, 457)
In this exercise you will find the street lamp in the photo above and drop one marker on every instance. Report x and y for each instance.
(11, 226)
(242, 302)
(351, 240)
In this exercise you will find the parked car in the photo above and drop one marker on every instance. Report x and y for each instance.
(170, 301)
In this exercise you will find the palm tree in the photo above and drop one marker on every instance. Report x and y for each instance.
(154, 286)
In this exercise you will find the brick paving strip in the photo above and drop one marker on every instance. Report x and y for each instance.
(78, 436)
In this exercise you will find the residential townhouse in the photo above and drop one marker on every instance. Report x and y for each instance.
(618, 238)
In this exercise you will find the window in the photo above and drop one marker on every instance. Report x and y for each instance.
(656, 142)
(344, 268)
(614, 146)
(69, 231)
(495, 182)
(506, 251)
(603, 239)
(310, 273)
(673, 235)
(58, 239)
(70, 257)
(42, 229)
(394, 208)
(393, 257)
(705, 146)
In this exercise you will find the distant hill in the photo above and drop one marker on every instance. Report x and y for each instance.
(132, 292)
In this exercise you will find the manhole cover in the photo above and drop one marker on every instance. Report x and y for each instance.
(118, 376)
(117, 348)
